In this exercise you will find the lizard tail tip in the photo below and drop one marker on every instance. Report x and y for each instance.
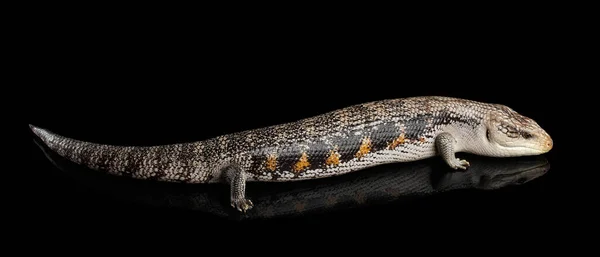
(33, 128)
(40, 133)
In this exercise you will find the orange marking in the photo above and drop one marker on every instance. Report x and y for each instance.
(334, 158)
(398, 141)
(302, 163)
(331, 199)
(271, 162)
(422, 139)
(365, 148)
(299, 206)
(359, 197)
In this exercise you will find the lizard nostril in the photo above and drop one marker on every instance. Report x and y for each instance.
(549, 144)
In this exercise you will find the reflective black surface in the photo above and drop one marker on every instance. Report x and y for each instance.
(128, 85)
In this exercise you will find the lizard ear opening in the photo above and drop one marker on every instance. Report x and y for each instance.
(487, 134)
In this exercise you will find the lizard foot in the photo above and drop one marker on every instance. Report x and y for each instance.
(460, 164)
(242, 205)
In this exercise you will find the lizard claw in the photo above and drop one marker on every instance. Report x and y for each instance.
(460, 164)
(242, 205)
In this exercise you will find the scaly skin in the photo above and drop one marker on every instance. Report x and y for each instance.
(331, 144)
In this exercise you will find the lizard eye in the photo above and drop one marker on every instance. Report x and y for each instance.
(526, 135)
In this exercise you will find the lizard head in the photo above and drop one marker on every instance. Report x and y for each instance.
(512, 134)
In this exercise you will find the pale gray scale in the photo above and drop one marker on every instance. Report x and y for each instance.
(68, 150)
(134, 161)
(198, 150)
(379, 109)
(164, 162)
(153, 160)
(77, 154)
(258, 139)
(223, 145)
(306, 129)
(179, 165)
(340, 119)
(92, 154)
(139, 157)
(108, 156)
(64, 148)
(325, 126)
(249, 139)
(95, 155)
(119, 163)
(281, 135)
(185, 158)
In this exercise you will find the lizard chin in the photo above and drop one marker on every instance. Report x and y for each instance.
(524, 151)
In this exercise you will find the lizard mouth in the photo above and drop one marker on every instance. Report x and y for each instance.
(536, 147)
(527, 150)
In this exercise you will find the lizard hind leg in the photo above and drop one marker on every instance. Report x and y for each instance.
(236, 178)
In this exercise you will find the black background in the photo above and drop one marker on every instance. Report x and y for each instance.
(148, 84)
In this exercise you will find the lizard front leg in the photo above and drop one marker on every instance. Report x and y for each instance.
(236, 178)
(445, 144)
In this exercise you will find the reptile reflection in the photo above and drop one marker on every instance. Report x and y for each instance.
(377, 185)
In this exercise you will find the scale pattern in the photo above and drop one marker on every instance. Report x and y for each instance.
(334, 143)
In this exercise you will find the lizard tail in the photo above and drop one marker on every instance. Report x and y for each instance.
(175, 162)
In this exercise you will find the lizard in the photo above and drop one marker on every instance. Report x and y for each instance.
(333, 143)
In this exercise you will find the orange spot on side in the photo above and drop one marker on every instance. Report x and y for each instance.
(299, 206)
(331, 199)
(359, 197)
(365, 148)
(333, 159)
(302, 163)
(271, 163)
(398, 141)
(422, 139)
